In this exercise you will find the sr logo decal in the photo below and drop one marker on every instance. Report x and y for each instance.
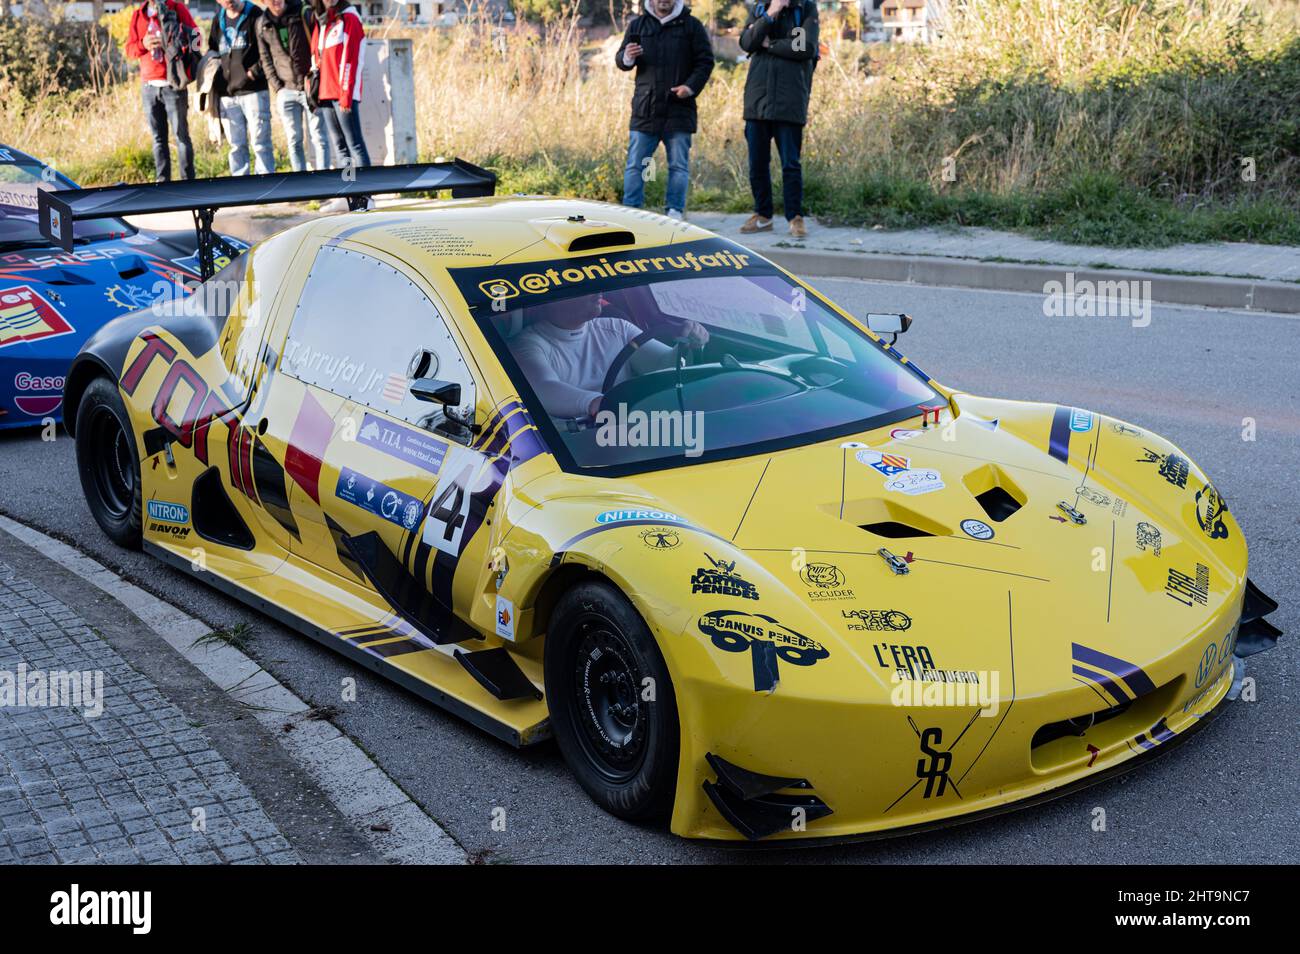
(933, 767)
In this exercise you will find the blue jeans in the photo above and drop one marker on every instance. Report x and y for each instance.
(641, 146)
(345, 132)
(164, 106)
(292, 106)
(239, 114)
(759, 134)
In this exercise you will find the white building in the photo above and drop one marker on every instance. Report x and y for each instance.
(912, 21)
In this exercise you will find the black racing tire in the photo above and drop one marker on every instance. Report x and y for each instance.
(621, 747)
(108, 463)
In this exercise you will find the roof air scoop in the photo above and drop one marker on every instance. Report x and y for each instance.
(577, 233)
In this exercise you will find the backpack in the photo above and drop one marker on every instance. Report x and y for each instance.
(180, 49)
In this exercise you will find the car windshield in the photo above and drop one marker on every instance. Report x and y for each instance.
(657, 358)
(20, 178)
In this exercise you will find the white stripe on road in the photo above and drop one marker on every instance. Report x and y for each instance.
(361, 790)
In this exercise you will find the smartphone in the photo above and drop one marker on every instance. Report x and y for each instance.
(633, 38)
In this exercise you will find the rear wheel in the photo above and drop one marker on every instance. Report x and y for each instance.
(108, 463)
(612, 705)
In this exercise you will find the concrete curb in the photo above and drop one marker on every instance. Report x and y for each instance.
(1208, 291)
(1205, 290)
(396, 827)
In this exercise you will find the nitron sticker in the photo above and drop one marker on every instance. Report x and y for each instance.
(1080, 420)
(168, 512)
(623, 516)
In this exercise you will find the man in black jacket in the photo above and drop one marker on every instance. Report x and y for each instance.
(781, 40)
(284, 44)
(245, 103)
(673, 58)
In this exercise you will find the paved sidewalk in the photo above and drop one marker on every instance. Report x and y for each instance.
(182, 723)
(1228, 259)
(124, 777)
(1230, 275)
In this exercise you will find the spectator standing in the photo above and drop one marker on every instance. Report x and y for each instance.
(245, 102)
(338, 48)
(781, 40)
(161, 37)
(284, 47)
(670, 51)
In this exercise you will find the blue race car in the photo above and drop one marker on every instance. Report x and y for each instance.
(51, 301)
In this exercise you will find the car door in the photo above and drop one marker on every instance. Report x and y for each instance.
(382, 479)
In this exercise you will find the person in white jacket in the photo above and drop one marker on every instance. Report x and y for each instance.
(568, 351)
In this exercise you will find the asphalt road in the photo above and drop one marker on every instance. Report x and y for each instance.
(1228, 795)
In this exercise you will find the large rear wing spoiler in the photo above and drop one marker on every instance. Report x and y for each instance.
(58, 211)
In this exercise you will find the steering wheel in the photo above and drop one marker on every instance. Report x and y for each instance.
(620, 359)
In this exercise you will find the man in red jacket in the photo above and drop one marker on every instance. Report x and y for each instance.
(338, 47)
(160, 29)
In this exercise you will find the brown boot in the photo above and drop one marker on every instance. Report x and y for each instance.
(797, 228)
(756, 223)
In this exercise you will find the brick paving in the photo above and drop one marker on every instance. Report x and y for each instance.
(138, 782)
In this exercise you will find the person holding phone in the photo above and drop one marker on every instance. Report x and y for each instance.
(670, 51)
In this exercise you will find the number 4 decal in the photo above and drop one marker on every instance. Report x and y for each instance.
(445, 524)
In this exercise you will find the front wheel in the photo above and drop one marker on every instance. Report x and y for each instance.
(612, 705)
(108, 464)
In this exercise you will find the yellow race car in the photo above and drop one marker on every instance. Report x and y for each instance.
(573, 470)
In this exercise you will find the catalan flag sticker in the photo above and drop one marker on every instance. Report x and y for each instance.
(887, 464)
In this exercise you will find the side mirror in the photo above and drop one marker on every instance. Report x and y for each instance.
(435, 391)
(886, 324)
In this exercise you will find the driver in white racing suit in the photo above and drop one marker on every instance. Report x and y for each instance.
(568, 351)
